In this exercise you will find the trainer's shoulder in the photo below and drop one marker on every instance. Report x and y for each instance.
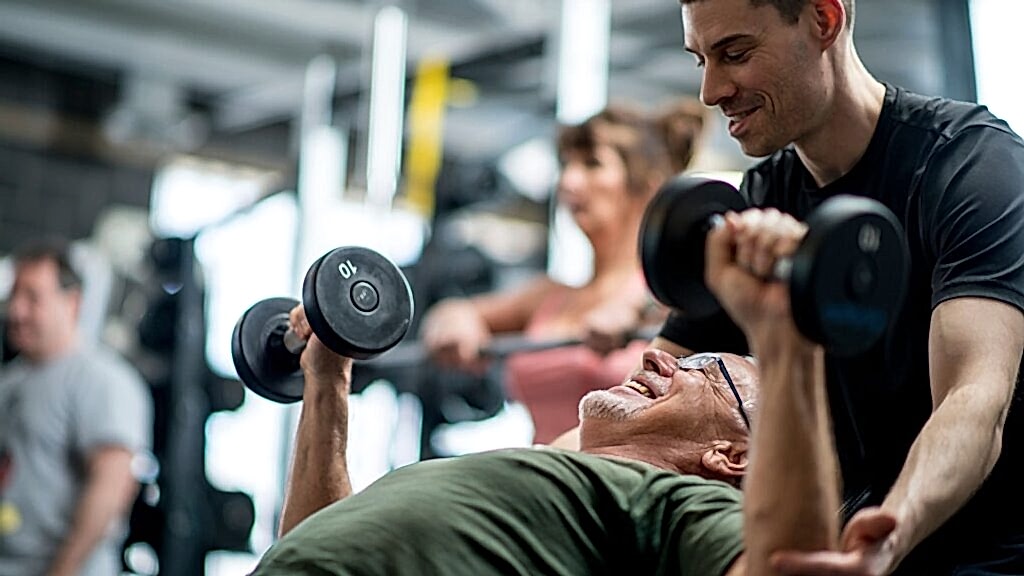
(945, 117)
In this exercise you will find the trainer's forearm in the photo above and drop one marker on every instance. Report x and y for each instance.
(973, 371)
(319, 471)
(791, 489)
(950, 459)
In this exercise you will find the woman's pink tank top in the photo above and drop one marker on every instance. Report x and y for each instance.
(551, 382)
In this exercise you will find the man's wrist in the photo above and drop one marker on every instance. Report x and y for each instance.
(325, 388)
(767, 345)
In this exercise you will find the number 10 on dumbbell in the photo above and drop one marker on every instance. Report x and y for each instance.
(357, 302)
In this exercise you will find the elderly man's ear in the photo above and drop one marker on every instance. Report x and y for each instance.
(726, 461)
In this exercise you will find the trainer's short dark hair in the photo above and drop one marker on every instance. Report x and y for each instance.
(790, 9)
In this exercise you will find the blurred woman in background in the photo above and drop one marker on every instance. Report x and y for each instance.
(611, 166)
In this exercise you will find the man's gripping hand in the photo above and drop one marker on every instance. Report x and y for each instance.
(321, 366)
(740, 257)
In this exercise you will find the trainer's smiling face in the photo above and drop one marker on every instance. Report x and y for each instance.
(676, 403)
(766, 74)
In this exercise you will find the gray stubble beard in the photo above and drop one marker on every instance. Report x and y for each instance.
(605, 405)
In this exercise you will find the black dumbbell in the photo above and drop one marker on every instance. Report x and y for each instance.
(357, 302)
(847, 278)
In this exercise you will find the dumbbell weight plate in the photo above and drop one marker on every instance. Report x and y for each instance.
(357, 302)
(259, 359)
(673, 236)
(855, 260)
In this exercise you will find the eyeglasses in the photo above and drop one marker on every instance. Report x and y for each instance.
(703, 362)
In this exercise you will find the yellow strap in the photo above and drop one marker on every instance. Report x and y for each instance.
(426, 127)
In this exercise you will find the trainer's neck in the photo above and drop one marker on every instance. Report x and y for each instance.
(842, 139)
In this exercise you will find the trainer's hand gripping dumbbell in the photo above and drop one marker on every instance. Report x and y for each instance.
(847, 278)
(357, 302)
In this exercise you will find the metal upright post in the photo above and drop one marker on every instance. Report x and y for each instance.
(184, 475)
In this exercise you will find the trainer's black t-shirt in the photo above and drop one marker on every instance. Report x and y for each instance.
(954, 175)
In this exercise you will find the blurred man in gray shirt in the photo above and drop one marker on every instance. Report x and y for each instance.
(73, 416)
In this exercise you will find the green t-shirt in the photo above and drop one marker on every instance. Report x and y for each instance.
(521, 511)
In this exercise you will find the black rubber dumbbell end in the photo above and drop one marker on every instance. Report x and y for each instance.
(672, 239)
(258, 353)
(849, 275)
(357, 302)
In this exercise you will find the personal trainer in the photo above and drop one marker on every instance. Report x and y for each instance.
(927, 421)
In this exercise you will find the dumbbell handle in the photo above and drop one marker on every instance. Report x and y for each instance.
(783, 266)
(501, 346)
(293, 342)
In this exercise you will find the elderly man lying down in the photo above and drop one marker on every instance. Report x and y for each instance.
(654, 489)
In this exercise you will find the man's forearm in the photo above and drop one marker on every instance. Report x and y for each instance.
(319, 471)
(952, 456)
(791, 489)
(105, 498)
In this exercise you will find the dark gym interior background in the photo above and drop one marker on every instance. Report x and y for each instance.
(241, 136)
